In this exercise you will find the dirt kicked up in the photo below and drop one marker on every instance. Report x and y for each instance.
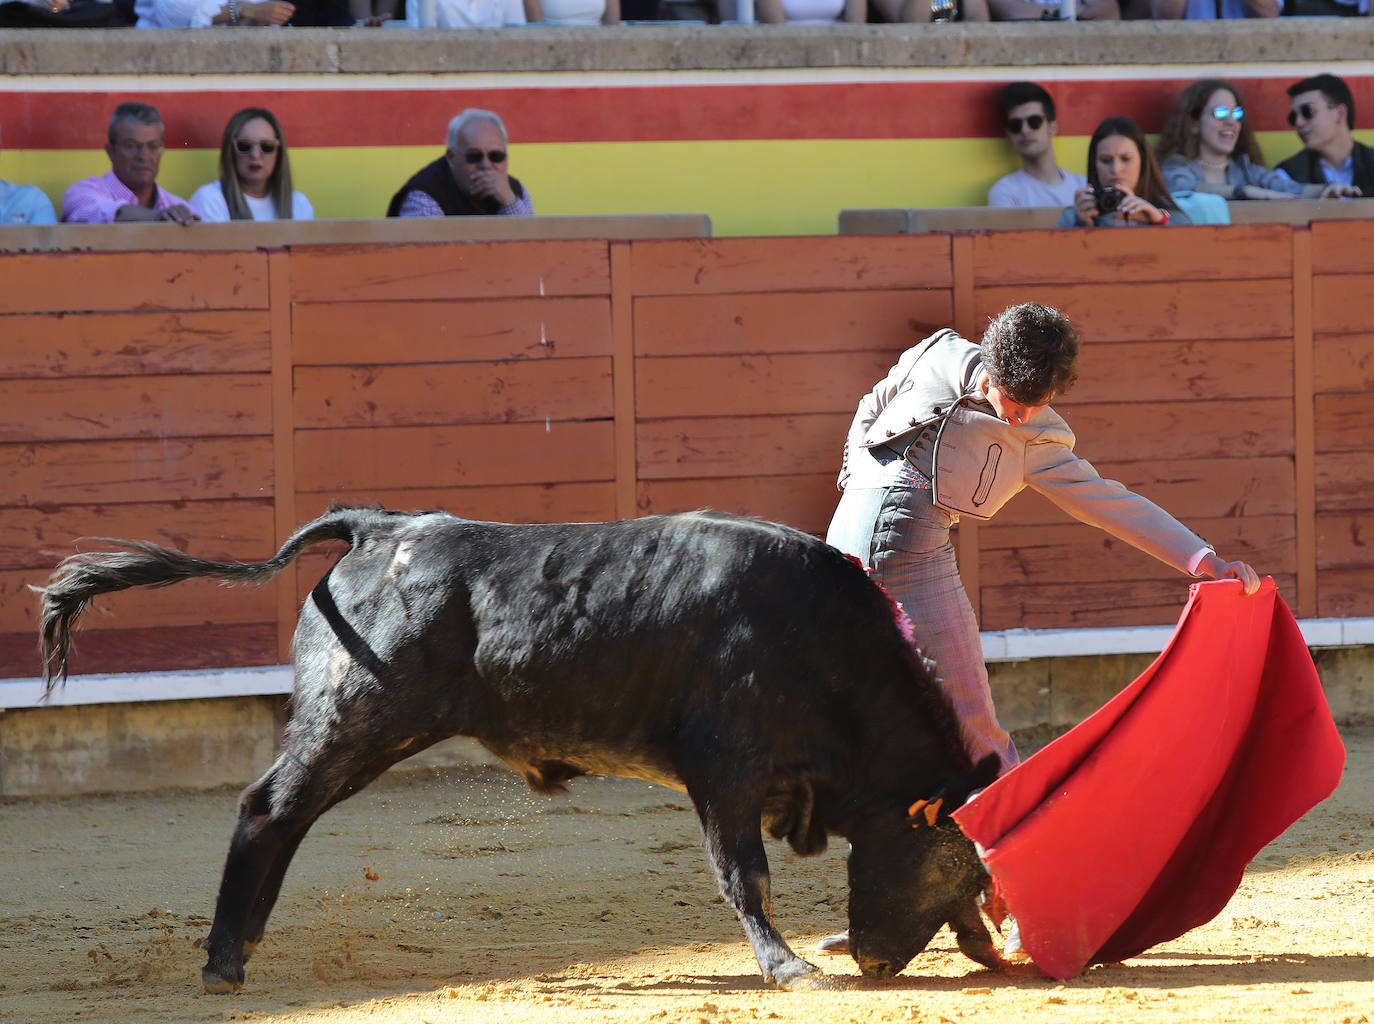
(453, 894)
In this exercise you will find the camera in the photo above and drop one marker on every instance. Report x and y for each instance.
(1108, 198)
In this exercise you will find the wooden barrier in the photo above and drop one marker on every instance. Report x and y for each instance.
(213, 400)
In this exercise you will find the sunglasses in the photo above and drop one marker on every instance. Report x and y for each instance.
(1221, 112)
(1306, 111)
(266, 146)
(1033, 123)
(475, 156)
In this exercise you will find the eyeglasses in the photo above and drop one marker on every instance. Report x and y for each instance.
(132, 146)
(1306, 111)
(1033, 123)
(475, 156)
(266, 146)
(1221, 112)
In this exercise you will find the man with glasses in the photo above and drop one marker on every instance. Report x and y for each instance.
(471, 178)
(1323, 113)
(128, 191)
(1028, 120)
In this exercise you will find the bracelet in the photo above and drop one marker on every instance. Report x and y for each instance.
(234, 9)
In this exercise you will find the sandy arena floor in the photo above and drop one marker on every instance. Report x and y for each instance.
(446, 894)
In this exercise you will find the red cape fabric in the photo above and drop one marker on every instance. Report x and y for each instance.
(1136, 825)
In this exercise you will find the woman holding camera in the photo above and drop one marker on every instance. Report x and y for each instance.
(1207, 145)
(1125, 188)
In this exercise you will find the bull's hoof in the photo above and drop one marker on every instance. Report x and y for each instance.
(799, 976)
(216, 984)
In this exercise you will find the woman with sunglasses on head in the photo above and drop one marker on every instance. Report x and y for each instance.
(1124, 187)
(254, 174)
(1207, 145)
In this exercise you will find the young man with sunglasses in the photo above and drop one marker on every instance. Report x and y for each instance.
(1028, 120)
(470, 179)
(1323, 114)
(128, 191)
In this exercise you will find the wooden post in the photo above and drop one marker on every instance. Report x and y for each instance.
(623, 383)
(1304, 425)
(283, 437)
(961, 255)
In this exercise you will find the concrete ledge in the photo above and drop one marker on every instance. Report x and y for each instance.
(666, 46)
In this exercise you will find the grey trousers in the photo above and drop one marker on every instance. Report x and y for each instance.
(905, 539)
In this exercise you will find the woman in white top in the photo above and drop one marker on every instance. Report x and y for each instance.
(810, 12)
(254, 174)
(573, 12)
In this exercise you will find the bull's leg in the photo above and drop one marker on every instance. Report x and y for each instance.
(275, 813)
(730, 816)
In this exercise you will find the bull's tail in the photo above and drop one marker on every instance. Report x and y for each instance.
(81, 577)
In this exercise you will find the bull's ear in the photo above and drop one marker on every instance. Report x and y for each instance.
(984, 774)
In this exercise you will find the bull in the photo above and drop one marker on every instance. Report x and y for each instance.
(751, 666)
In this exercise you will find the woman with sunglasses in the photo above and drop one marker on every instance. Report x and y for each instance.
(254, 174)
(1125, 188)
(1207, 145)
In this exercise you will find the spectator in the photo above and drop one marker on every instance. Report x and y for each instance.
(128, 191)
(573, 12)
(254, 174)
(1207, 145)
(205, 13)
(1028, 117)
(1326, 8)
(471, 178)
(1048, 10)
(1206, 10)
(1323, 113)
(811, 12)
(473, 13)
(25, 204)
(899, 11)
(1124, 187)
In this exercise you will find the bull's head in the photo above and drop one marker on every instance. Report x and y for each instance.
(906, 882)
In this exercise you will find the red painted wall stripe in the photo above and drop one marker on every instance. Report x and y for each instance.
(417, 117)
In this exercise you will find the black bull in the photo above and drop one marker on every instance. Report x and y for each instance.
(748, 664)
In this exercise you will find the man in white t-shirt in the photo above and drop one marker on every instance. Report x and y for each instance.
(1028, 119)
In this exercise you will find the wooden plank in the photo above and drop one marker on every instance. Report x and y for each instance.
(1343, 362)
(740, 445)
(1190, 489)
(194, 602)
(1346, 593)
(521, 391)
(758, 384)
(805, 500)
(1303, 426)
(1088, 605)
(404, 457)
(406, 331)
(1343, 422)
(779, 322)
(1345, 481)
(572, 502)
(60, 282)
(1176, 311)
(460, 270)
(1342, 247)
(1165, 371)
(283, 447)
(40, 537)
(1184, 430)
(1340, 302)
(1114, 258)
(156, 649)
(1033, 555)
(100, 408)
(132, 344)
(1345, 540)
(624, 383)
(173, 469)
(824, 263)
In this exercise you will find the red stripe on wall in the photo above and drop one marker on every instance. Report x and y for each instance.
(418, 117)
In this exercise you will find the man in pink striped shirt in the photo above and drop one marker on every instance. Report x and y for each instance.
(128, 191)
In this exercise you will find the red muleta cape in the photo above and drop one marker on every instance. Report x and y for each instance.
(1136, 825)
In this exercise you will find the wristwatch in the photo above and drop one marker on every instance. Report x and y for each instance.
(943, 10)
(234, 9)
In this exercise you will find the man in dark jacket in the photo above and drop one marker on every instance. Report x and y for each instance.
(1324, 115)
(470, 179)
